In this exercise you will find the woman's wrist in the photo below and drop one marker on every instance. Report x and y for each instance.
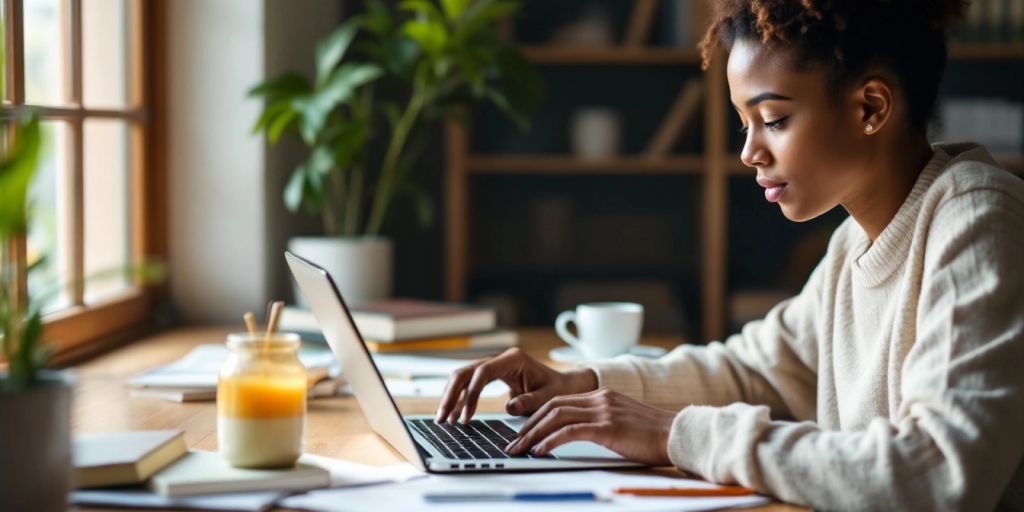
(582, 380)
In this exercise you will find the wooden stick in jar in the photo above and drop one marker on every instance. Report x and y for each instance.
(275, 313)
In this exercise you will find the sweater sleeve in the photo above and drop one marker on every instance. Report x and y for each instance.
(956, 440)
(771, 361)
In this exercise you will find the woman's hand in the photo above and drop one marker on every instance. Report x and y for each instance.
(630, 428)
(531, 385)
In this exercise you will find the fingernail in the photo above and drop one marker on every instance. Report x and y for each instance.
(510, 446)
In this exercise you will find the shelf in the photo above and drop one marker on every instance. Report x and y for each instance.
(553, 55)
(567, 164)
(986, 51)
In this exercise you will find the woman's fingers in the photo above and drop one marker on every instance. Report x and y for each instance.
(528, 403)
(582, 400)
(503, 366)
(572, 432)
(557, 419)
(452, 416)
(452, 392)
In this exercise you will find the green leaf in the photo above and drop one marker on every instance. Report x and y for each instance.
(422, 8)
(332, 49)
(277, 128)
(454, 8)
(288, 84)
(378, 18)
(270, 112)
(17, 168)
(320, 162)
(520, 89)
(293, 190)
(431, 36)
(339, 88)
(480, 15)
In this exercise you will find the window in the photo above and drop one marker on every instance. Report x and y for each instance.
(83, 66)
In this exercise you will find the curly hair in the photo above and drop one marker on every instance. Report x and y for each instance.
(847, 38)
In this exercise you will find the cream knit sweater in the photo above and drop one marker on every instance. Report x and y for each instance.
(893, 381)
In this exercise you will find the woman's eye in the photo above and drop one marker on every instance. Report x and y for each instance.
(773, 125)
(743, 130)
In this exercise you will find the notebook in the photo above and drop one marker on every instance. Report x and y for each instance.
(119, 458)
(202, 472)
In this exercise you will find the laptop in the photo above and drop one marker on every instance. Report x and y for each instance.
(430, 446)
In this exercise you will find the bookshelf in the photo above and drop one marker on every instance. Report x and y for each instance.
(723, 235)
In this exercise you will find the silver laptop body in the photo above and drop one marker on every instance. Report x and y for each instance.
(427, 445)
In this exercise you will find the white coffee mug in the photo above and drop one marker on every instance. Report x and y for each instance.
(606, 329)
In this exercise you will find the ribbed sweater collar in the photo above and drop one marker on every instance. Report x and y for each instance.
(880, 259)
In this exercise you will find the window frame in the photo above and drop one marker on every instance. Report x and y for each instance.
(82, 328)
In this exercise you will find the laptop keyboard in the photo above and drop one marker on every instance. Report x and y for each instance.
(480, 439)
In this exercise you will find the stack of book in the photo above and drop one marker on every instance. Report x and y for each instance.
(415, 326)
(161, 460)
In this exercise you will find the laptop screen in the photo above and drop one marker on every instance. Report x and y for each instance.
(356, 364)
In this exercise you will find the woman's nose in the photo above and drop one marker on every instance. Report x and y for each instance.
(754, 153)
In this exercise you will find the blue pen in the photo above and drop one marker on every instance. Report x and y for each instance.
(467, 497)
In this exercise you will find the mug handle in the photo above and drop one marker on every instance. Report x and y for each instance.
(561, 327)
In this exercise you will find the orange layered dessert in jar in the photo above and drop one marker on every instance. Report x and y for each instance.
(261, 401)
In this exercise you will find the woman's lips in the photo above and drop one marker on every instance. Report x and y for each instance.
(773, 190)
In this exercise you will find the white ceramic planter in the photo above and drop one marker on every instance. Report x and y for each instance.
(35, 445)
(361, 266)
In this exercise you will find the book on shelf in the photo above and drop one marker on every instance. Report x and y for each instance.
(681, 117)
(640, 20)
(120, 458)
(480, 342)
(392, 320)
(202, 472)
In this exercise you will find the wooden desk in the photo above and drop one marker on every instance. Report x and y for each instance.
(335, 426)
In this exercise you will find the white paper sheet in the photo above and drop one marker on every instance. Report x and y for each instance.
(348, 474)
(199, 368)
(408, 496)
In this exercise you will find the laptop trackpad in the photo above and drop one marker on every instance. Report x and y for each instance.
(571, 450)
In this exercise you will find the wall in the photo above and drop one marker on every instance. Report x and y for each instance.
(215, 167)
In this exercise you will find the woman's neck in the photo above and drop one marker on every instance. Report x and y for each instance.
(890, 176)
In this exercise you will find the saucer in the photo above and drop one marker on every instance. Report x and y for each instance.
(571, 355)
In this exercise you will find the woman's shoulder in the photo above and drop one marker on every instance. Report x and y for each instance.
(971, 172)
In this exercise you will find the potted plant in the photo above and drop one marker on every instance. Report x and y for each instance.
(387, 75)
(35, 404)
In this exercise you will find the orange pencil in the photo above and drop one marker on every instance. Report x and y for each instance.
(692, 492)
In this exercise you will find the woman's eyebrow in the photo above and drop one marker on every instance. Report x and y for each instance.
(765, 96)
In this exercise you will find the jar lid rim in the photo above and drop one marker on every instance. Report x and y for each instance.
(277, 341)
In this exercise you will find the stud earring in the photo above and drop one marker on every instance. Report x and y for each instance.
(869, 128)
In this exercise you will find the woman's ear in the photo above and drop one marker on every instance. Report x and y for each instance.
(876, 101)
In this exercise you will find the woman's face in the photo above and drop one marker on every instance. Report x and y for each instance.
(807, 149)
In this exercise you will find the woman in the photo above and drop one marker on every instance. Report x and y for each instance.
(893, 380)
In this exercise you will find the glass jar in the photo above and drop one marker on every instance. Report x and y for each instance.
(261, 401)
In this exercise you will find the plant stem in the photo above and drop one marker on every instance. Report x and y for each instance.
(386, 183)
(354, 205)
(337, 193)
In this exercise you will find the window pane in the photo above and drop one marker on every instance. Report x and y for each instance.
(49, 230)
(104, 53)
(107, 219)
(46, 54)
